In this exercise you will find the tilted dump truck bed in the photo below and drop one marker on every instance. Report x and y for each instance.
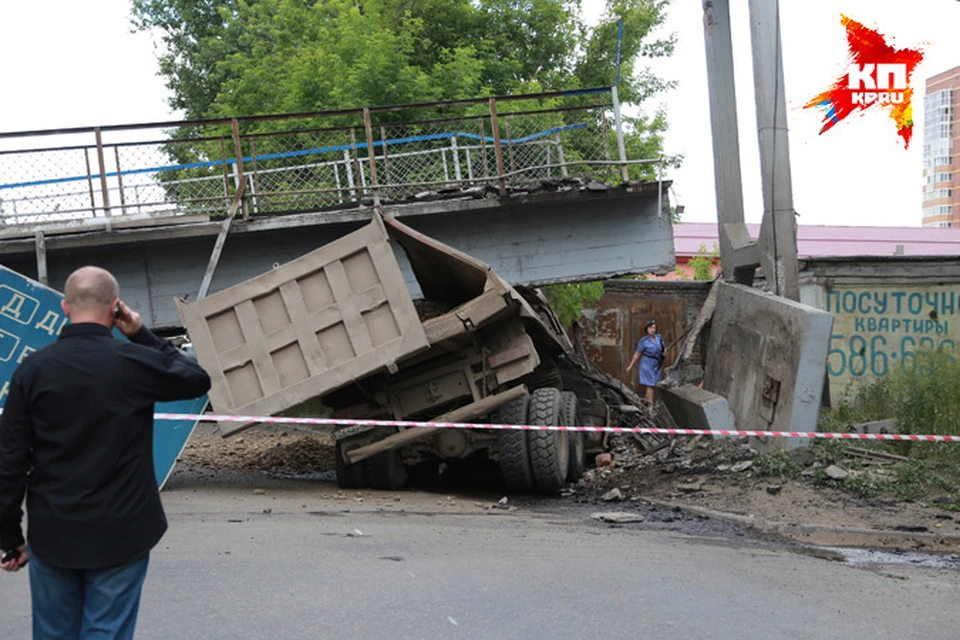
(341, 313)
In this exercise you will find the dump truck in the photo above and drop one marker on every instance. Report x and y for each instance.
(340, 327)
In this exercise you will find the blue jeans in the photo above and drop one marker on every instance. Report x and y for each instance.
(85, 604)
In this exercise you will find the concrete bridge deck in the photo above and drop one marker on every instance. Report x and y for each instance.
(516, 188)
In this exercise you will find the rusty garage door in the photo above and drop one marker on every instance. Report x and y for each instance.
(305, 328)
(614, 325)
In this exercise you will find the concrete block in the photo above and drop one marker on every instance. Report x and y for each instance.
(768, 355)
(694, 408)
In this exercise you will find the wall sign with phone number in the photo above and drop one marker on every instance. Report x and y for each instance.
(879, 329)
(859, 355)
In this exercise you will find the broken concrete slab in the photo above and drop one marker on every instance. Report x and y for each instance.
(617, 517)
(614, 495)
(768, 355)
(695, 408)
(835, 473)
(691, 487)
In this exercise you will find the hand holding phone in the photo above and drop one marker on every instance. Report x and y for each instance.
(126, 320)
(14, 559)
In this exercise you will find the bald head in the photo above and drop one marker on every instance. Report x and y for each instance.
(91, 290)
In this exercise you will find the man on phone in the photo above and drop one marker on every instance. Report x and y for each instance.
(76, 438)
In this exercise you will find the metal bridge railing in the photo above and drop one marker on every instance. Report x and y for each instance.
(269, 165)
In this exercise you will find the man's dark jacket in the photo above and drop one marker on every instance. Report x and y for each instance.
(77, 436)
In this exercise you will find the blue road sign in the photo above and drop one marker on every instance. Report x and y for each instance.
(30, 318)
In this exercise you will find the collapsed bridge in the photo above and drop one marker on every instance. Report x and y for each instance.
(183, 209)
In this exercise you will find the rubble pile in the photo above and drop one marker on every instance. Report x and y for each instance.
(260, 450)
(570, 183)
(298, 456)
(632, 465)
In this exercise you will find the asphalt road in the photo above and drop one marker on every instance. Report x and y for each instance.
(323, 565)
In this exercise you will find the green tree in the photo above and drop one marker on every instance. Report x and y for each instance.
(252, 57)
(705, 262)
(568, 300)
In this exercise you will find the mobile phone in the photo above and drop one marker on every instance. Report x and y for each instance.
(13, 554)
(116, 311)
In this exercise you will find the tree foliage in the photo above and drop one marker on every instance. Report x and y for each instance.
(705, 262)
(568, 300)
(252, 57)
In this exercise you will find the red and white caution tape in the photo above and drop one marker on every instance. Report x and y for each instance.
(337, 422)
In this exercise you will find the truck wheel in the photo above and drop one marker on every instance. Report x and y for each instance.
(349, 476)
(549, 450)
(386, 470)
(570, 416)
(514, 455)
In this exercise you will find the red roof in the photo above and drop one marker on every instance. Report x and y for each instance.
(817, 241)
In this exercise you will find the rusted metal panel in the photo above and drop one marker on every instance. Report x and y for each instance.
(614, 325)
(305, 328)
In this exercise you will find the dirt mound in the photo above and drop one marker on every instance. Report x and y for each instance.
(264, 450)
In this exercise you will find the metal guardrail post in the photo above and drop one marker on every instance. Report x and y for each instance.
(103, 179)
(371, 156)
(255, 178)
(226, 173)
(498, 148)
(618, 122)
(456, 158)
(123, 200)
(606, 142)
(483, 150)
(560, 156)
(41, 247)
(238, 153)
(93, 201)
(349, 168)
(355, 159)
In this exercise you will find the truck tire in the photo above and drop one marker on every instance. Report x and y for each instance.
(514, 454)
(570, 416)
(386, 470)
(349, 476)
(549, 450)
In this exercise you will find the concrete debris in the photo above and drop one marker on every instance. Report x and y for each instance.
(741, 466)
(681, 374)
(614, 495)
(258, 492)
(835, 473)
(594, 185)
(691, 487)
(617, 517)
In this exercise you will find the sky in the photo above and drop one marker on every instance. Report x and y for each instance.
(70, 63)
